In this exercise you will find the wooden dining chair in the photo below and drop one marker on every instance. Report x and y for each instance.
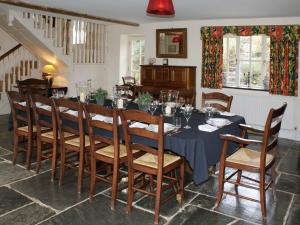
(188, 95)
(247, 159)
(111, 152)
(129, 80)
(33, 86)
(218, 100)
(72, 138)
(154, 161)
(22, 125)
(47, 131)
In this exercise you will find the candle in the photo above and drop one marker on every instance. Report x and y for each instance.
(120, 103)
(168, 109)
(82, 96)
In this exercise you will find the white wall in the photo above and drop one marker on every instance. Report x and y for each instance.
(244, 101)
(6, 42)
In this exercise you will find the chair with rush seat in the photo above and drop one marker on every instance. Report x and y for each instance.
(247, 159)
(154, 162)
(22, 125)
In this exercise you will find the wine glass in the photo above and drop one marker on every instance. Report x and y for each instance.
(187, 112)
(208, 110)
(153, 106)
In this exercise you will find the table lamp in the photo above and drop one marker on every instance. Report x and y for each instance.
(47, 72)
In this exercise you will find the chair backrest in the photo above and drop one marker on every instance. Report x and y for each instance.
(44, 113)
(218, 100)
(69, 116)
(20, 109)
(271, 131)
(133, 135)
(154, 91)
(188, 95)
(126, 91)
(33, 86)
(106, 124)
(129, 80)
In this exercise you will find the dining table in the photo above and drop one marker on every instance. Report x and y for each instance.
(200, 149)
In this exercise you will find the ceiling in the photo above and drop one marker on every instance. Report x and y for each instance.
(135, 10)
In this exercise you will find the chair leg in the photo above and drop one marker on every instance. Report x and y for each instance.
(238, 180)
(115, 180)
(182, 173)
(80, 170)
(151, 182)
(15, 148)
(157, 198)
(130, 188)
(28, 152)
(221, 184)
(274, 176)
(93, 178)
(54, 161)
(38, 155)
(62, 164)
(262, 193)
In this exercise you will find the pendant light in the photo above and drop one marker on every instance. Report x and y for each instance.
(161, 7)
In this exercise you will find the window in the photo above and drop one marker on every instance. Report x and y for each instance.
(136, 56)
(246, 61)
(79, 33)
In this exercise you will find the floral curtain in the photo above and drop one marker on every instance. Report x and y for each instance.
(283, 55)
(212, 60)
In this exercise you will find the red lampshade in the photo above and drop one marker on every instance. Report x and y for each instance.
(161, 7)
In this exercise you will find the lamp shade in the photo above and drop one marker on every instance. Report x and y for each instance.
(161, 7)
(49, 69)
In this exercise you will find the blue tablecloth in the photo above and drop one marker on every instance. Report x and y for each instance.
(201, 149)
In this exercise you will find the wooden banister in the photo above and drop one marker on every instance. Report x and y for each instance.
(10, 51)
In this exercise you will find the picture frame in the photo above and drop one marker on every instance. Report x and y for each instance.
(171, 43)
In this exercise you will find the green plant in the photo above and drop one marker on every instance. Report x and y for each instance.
(100, 93)
(144, 98)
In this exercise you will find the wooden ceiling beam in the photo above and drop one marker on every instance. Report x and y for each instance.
(65, 12)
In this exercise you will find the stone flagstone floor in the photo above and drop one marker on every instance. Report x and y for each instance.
(27, 198)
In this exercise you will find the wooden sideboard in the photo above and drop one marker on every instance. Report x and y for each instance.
(169, 77)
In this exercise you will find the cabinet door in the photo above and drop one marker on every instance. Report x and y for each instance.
(178, 77)
(162, 76)
(147, 76)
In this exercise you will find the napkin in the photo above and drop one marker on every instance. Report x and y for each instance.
(22, 103)
(218, 122)
(45, 107)
(105, 119)
(72, 112)
(139, 125)
(227, 114)
(207, 128)
(167, 127)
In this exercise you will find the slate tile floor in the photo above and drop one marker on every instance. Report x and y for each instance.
(27, 198)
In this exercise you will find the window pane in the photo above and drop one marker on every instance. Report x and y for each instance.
(245, 48)
(244, 74)
(256, 80)
(266, 78)
(256, 47)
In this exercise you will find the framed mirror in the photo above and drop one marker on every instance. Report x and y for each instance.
(171, 43)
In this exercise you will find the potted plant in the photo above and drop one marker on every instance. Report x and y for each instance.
(144, 100)
(100, 96)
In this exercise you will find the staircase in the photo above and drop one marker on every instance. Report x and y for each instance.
(46, 38)
(16, 64)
